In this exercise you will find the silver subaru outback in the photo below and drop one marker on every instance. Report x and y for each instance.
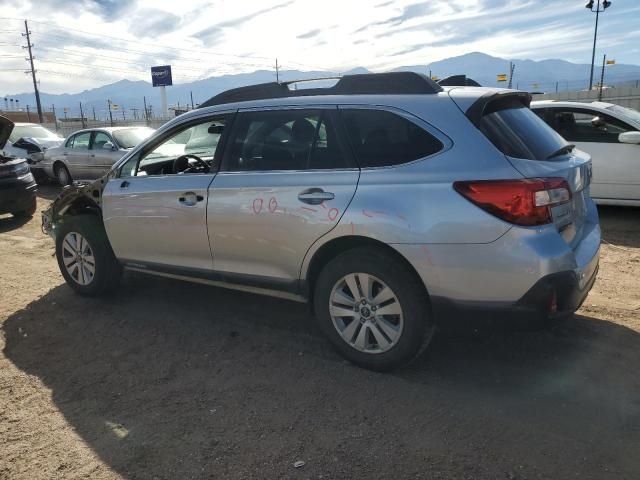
(386, 201)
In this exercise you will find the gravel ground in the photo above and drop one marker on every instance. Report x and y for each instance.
(173, 380)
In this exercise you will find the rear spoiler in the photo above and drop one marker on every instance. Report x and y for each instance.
(493, 101)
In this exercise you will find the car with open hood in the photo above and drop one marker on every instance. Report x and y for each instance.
(31, 141)
(17, 185)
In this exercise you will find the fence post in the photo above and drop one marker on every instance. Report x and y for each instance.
(28, 114)
(55, 119)
(146, 112)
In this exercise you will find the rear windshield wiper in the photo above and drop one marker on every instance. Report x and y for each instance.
(561, 151)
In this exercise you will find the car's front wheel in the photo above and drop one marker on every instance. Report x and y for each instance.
(85, 257)
(62, 175)
(373, 309)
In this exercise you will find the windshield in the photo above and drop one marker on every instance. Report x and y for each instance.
(627, 112)
(520, 133)
(130, 137)
(31, 131)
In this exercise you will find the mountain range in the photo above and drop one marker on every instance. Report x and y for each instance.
(544, 75)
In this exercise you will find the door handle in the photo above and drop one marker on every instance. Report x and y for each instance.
(65, 154)
(124, 184)
(315, 196)
(92, 155)
(190, 199)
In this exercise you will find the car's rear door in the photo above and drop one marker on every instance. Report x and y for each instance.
(616, 165)
(285, 181)
(155, 211)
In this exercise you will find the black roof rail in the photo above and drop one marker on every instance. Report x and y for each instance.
(392, 83)
(458, 81)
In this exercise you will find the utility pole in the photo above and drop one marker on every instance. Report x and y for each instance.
(84, 125)
(191, 93)
(146, 112)
(94, 112)
(55, 119)
(512, 67)
(605, 4)
(604, 61)
(277, 72)
(33, 71)
(28, 114)
(110, 115)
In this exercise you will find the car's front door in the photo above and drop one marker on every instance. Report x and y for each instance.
(155, 211)
(616, 165)
(101, 159)
(76, 154)
(286, 180)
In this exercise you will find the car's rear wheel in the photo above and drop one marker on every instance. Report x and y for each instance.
(85, 258)
(62, 175)
(374, 310)
(29, 211)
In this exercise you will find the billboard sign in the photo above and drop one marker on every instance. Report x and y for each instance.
(161, 76)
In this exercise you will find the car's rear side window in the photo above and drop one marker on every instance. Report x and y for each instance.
(380, 138)
(518, 132)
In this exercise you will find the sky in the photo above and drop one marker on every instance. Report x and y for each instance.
(82, 44)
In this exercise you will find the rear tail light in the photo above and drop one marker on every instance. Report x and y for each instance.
(522, 202)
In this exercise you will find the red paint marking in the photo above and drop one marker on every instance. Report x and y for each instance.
(323, 206)
(273, 204)
(353, 229)
(402, 217)
(364, 212)
(257, 205)
(309, 209)
(378, 212)
(333, 214)
(427, 254)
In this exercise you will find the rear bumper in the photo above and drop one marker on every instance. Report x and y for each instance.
(17, 194)
(554, 296)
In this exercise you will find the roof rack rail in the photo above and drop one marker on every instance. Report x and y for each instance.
(392, 83)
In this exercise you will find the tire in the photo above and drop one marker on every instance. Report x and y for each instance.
(29, 211)
(62, 175)
(376, 342)
(72, 235)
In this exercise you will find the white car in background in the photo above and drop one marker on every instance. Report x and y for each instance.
(30, 141)
(611, 134)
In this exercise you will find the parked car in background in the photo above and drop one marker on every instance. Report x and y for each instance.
(611, 134)
(17, 185)
(30, 141)
(386, 201)
(88, 154)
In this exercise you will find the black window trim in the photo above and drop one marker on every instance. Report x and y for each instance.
(447, 143)
(153, 142)
(333, 112)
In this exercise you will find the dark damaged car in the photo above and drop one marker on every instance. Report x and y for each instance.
(17, 185)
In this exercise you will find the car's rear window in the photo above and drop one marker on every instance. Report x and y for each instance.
(518, 132)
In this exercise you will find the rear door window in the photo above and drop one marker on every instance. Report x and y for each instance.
(580, 125)
(285, 140)
(380, 138)
(518, 132)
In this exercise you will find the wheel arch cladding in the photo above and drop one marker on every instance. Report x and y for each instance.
(337, 246)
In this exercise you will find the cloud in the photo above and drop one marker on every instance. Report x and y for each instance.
(216, 32)
(310, 34)
(151, 23)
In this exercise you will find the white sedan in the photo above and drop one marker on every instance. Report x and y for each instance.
(611, 134)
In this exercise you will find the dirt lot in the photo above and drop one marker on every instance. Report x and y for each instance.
(171, 380)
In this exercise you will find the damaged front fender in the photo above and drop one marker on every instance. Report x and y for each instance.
(81, 198)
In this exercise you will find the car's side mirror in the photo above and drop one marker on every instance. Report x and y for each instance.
(109, 146)
(629, 137)
(598, 122)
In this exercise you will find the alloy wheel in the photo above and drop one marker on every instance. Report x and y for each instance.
(366, 313)
(78, 258)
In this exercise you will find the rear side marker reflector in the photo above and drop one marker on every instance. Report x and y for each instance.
(526, 202)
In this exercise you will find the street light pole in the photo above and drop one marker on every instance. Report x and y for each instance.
(605, 4)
